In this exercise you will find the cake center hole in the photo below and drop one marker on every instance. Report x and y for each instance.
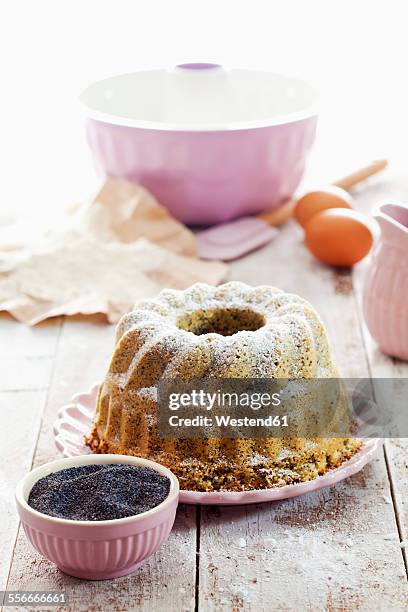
(223, 321)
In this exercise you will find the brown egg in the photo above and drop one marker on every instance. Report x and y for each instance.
(316, 201)
(338, 237)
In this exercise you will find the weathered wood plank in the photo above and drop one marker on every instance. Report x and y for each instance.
(27, 357)
(26, 354)
(84, 350)
(330, 550)
(397, 460)
(20, 415)
(167, 580)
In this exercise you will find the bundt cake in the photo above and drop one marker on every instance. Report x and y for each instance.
(230, 331)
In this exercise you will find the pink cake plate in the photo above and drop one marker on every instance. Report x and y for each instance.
(75, 420)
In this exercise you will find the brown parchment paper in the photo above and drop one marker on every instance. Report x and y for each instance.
(87, 276)
(125, 212)
(121, 247)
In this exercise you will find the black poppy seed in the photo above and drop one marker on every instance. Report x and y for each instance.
(99, 492)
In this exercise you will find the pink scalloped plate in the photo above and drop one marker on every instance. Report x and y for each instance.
(75, 420)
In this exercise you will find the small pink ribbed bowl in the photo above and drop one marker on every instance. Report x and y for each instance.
(97, 550)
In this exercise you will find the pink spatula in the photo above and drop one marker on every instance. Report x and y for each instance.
(232, 240)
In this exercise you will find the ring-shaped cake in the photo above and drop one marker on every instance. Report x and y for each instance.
(229, 331)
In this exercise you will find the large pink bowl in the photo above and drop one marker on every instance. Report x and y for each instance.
(211, 144)
(97, 550)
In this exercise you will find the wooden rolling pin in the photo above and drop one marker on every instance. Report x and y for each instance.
(279, 215)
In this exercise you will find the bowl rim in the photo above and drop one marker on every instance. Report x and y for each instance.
(66, 462)
(308, 112)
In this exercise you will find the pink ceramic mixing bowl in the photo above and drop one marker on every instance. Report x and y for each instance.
(97, 550)
(211, 144)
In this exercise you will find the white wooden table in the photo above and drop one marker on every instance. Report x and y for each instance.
(335, 549)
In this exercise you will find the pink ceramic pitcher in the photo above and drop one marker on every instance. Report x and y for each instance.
(385, 299)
